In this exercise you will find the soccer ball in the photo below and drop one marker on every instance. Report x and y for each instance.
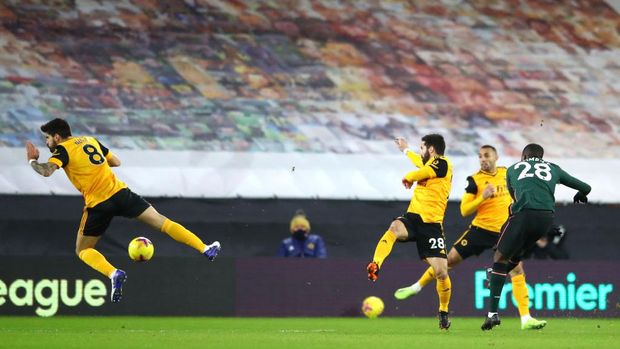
(140, 249)
(372, 307)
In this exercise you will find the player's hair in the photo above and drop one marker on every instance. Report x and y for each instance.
(533, 150)
(487, 146)
(57, 127)
(436, 140)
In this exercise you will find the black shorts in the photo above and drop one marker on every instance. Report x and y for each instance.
(521, 231)
(474, 241)
(429, 237)
(95, 220)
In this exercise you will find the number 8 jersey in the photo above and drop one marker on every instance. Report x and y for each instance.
(532, 182)
(84, 160)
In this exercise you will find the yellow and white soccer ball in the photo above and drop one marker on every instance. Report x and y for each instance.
(141, 249)
(372, 307)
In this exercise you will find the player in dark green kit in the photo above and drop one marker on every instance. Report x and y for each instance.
(531, 182)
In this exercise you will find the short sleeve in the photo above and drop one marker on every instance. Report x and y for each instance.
(471, 188)
(59, 157)
(104, 150)
(440, 166)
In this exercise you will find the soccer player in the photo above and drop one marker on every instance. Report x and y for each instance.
(87, 164)
(531, 183)
(485, 194)
(422, 222)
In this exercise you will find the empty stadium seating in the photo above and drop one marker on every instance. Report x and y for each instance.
(314, 76)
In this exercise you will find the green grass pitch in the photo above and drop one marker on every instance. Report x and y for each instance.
(272, 333)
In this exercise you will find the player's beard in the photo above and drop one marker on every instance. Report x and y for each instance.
(425, 157)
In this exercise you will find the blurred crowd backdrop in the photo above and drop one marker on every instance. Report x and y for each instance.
(314, 76)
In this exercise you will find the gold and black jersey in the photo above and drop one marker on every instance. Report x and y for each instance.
(84, 160)
(430, 196)
(492, 212)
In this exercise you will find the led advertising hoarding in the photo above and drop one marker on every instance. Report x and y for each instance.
(49, 286)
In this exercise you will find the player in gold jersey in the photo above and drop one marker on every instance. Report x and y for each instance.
(486, 194)
(87, 164)
(423, 220)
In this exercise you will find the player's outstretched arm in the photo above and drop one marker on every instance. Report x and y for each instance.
(572, 182)
(415, 158)
(437, 168)
(415, 176)
(45, 169)
(32, 153)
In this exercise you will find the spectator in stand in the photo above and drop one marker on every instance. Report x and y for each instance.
(301, 243)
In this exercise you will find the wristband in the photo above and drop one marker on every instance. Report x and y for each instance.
(31, 161)
(405, 151)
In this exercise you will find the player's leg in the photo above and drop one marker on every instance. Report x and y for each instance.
(496, 284)
(154, 219)
(92, 226)
(94, 223)
(520, 294)
(443, 287)
(473, 241)
(519, 290)
(536, 224)
(509, 244)
(133, 205)
(396, 231)
(454, 259)
(85, 250)
(431, 245)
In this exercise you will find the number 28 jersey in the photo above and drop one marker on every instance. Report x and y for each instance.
(532, 184)
(84, 160)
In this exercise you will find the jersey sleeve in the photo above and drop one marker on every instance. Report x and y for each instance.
(437, 169)
(104, 150)
(470, 203)
(415, 158)
(471, 188)
(59, 157)
(573, 182)
(440, 166)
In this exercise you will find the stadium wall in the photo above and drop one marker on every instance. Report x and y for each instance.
(35, 225)
(288, 287)
(194, 174)
(40, 275)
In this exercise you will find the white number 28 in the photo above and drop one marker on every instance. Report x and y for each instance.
(541, 170)
(435, 243)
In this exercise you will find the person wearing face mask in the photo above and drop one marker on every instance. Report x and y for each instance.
(301, 243)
